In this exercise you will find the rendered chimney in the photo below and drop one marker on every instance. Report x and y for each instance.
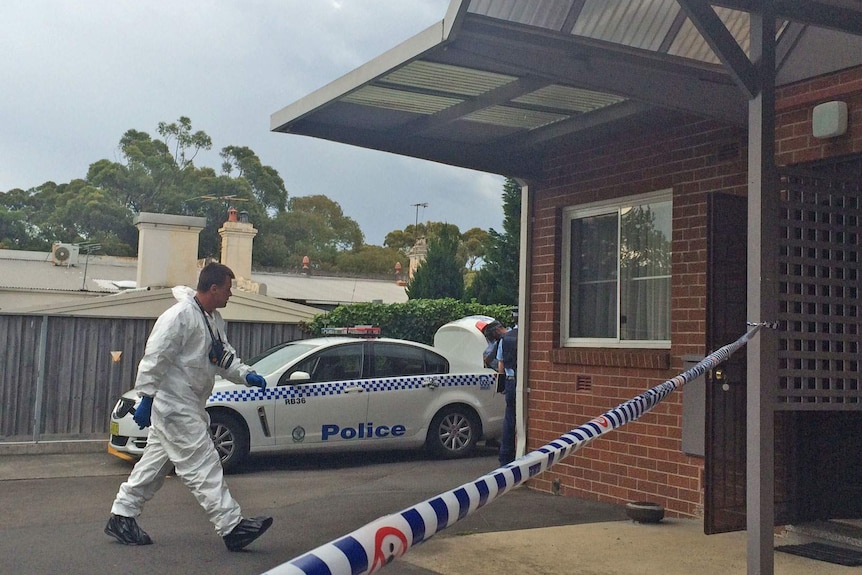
(417, 255)
(236, 244)
(167, 249)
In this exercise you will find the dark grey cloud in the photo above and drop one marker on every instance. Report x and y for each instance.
(77, 75)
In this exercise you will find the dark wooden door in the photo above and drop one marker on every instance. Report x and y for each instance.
(724, 492)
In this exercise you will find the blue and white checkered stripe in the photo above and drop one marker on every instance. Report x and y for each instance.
(363, 551)
(415, 382)
(244, 394)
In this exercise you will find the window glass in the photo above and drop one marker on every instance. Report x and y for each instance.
(594, 276)
(645, 272)
(394, 360)
(340, 363)
(617, 281)
(435, 363)
(277, 357)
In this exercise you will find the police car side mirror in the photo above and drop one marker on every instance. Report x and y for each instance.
(299, 377)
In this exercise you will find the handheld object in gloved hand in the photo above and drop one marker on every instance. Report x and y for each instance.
(256, 380)
(143, 412)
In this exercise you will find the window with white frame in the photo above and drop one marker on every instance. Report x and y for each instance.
(616, 273)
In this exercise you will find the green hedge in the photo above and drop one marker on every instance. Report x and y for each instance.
(416, 319)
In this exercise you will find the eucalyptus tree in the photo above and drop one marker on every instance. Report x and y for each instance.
(314, 226)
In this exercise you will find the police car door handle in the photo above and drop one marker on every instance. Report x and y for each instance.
(430, 382)
(354, 389)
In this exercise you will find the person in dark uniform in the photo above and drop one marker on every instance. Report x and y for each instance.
(507, 365)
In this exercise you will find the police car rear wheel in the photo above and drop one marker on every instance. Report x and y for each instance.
(453, 433)
(230, 439)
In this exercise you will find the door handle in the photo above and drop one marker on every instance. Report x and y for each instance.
(431, 383)
(354, 389)
(719, 376)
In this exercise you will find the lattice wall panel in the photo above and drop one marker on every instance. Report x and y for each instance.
(819, 308)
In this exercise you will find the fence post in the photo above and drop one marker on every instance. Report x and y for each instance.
(40, 378)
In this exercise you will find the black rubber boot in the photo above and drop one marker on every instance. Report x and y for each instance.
(126, 531)
(246, 531)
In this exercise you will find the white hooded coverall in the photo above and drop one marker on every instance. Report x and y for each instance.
(176, 372)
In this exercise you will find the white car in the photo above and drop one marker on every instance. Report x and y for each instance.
(343, 393)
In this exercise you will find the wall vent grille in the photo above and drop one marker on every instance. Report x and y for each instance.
(583, 383)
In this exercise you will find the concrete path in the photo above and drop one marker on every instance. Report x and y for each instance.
(671, 547)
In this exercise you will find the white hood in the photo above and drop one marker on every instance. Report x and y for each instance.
(183, 293)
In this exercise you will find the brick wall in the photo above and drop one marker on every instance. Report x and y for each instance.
(569, 386)
(572, 385)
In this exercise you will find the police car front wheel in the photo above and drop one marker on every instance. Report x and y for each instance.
(230, 438)
(454, 432)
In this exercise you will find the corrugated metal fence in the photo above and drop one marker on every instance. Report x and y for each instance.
(60, 375)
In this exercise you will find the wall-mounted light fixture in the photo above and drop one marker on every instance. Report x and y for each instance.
(829, 120)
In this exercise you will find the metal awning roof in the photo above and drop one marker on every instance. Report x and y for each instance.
(492, 84)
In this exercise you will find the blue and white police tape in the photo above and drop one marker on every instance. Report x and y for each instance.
(374, 545)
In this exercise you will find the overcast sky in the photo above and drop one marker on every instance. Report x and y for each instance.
(76, 74)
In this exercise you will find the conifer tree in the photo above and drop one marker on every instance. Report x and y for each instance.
(497, 281)
(441, 274)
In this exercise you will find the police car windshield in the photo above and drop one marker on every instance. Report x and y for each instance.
(276, 357)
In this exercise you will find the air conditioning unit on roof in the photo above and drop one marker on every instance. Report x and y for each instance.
(64, 254)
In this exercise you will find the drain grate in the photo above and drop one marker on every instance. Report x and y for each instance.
(824, 552)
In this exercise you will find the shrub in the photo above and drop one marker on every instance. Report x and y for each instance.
(415, 320)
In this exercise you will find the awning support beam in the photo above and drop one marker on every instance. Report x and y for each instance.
(703, 94)
(763, 206)
(722, 42)
(500, 95)
(806, 12)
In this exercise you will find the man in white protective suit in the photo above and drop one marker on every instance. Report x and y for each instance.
(185, 350)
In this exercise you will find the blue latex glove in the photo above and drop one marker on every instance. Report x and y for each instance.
(143, 411)
(256, 380)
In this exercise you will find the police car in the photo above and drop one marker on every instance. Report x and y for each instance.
(344, 393)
